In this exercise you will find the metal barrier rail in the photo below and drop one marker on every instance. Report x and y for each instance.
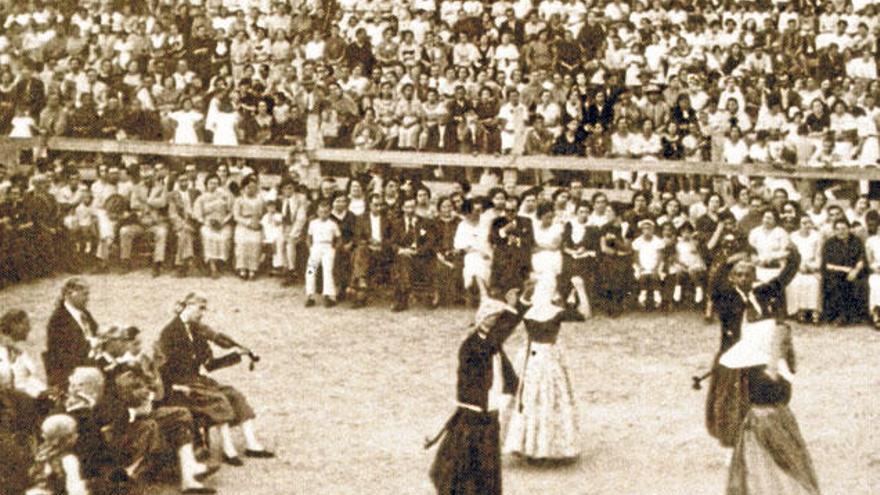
(414, 159)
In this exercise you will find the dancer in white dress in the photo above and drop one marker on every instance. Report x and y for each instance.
(185, 123)
(543, 422)
(803, 296)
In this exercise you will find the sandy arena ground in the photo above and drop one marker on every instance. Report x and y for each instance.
(346, 397)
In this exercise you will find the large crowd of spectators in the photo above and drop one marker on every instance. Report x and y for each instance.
(734, 81)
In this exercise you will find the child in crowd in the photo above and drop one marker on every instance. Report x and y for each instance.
(273, 235)
(323, 234)
(689, 266)
(56, 468)
(84, 224)
(648, 249)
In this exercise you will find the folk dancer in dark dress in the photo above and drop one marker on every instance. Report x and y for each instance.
(512, 238)
(468, 460)
(770, 457)
(543, 424)
(184, 343)
(844, 279)
(739, 304)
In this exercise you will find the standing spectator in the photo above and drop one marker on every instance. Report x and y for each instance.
(68, 333)
(247, 210)
(213, 210)
(181, 213)
(512, 238)
(323, 238)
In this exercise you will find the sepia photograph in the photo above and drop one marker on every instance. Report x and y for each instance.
(451, 247)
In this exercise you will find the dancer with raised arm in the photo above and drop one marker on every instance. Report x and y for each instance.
(770, 457)
(468, 460)
(739, 304)
(543, 424)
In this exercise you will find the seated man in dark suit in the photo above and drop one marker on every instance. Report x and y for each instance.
(372, 247)
(184, 343)
(69, 334)
(412, 239)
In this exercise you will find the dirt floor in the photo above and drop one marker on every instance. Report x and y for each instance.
(346, 396)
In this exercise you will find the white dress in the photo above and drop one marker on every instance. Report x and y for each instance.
(224, 124)
(770, 246)
(547, 256)
(872, 246)
(543, 419)
(804, 292)
(185, 132)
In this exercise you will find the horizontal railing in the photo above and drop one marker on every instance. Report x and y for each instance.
(415, 159)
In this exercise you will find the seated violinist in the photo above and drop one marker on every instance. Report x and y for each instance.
(184, 343)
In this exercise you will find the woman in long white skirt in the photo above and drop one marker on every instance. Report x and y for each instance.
(803, 297)
(543, 424)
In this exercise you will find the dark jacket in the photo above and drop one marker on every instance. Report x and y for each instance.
(363, 230)
(66, 345)
(420, 236)
(732, 309)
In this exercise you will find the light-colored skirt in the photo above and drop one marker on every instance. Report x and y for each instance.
(771, 457)
(873, 291)
(804, 293)
(215, 243)
(547, 263)
(543, 423)
(248, 248)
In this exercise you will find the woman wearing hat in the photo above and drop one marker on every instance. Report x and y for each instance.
(740, 304)
(468, 460)
(770, 456)
(544, 421)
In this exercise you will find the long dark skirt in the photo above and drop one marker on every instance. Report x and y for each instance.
(468, 461)
(771, 457)
(727, 403)
(213, 404)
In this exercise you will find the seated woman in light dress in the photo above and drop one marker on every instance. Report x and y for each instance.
(803, 296)
(547, 255)
(769, 241)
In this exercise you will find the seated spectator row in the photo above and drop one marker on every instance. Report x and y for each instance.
(382, 231)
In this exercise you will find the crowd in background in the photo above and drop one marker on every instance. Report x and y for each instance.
(353, 240)
(736, 82)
